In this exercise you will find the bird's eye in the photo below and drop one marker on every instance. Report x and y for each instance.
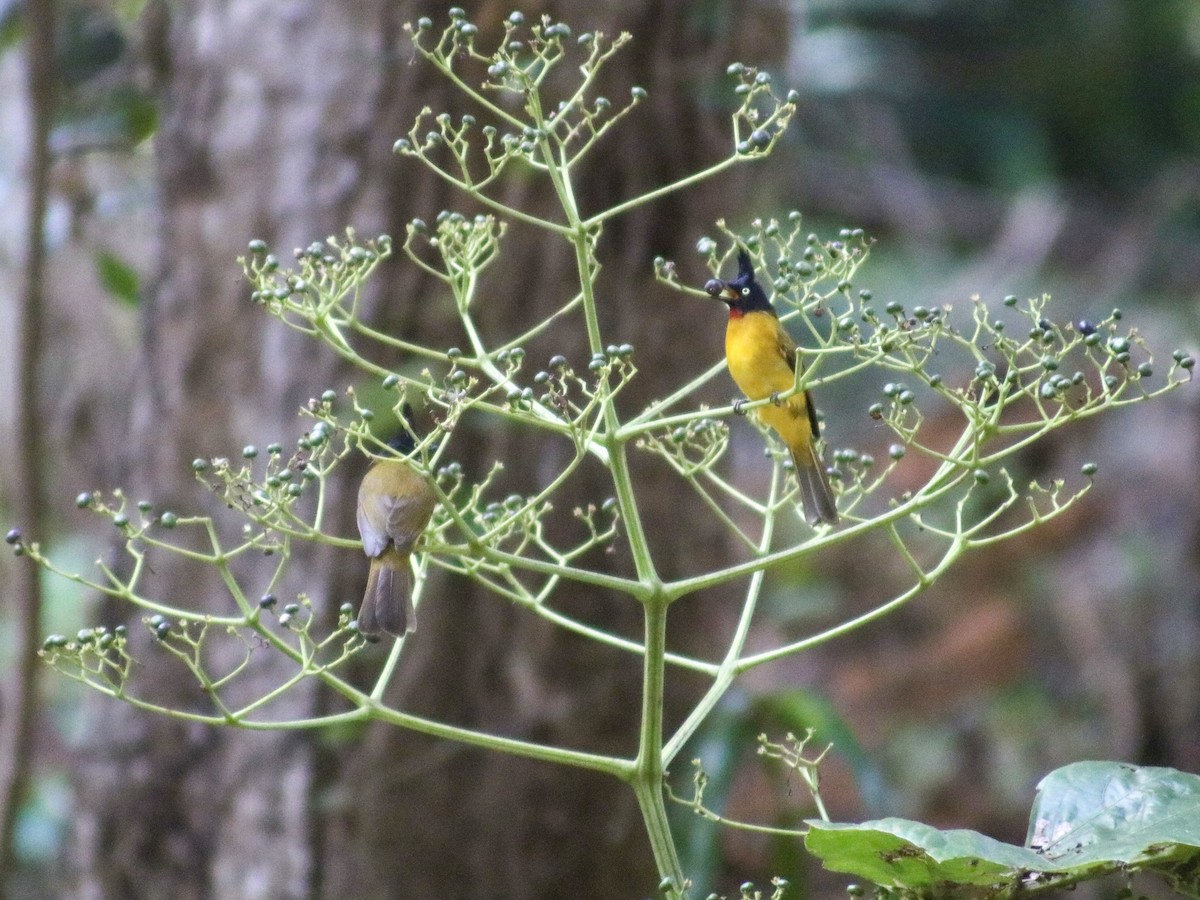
(746, 292)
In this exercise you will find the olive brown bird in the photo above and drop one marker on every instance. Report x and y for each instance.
(395, 504)
(763, 362)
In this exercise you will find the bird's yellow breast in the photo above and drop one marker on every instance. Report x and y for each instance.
(756, 362)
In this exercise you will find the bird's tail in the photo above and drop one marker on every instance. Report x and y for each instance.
(387, 604)
(815, 493)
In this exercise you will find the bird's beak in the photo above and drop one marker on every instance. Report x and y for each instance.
(719, 290)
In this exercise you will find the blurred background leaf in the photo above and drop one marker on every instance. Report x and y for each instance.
(117, 277)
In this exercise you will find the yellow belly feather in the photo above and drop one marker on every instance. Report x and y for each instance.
(760, 369)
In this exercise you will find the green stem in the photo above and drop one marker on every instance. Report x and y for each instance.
(609, 765)
(728, 670)
(443, 65)
(953, 552)
(641, 200)
(947, 477)
(643, 559)
(550, 418)
(618, 464)
(647, 775)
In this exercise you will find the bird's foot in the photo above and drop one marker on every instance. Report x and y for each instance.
(775, 401)
(739, 407)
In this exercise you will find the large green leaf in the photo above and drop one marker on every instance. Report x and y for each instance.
(900, 853)
(1110, 812)
(1088, 819)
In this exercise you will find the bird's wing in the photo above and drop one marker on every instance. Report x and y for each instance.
(407, 517)
(813, 422)
(786, 345)
(373, 517)
(787, 349)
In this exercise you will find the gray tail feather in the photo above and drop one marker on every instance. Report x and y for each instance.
(387, 605)
(815, 493)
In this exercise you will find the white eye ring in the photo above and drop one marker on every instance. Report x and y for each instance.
(745, 292)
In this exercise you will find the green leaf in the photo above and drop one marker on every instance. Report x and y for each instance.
(121, 117)
(1088, 819)
(1103, 811)
(901, 853)
(12, 26)
(117, 277)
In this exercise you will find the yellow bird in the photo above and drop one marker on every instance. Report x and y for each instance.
(394, 506)
(762, 360)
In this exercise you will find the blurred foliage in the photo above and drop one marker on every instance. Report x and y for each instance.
(103, 102)
(724, 750)
(1101, 93)
(117, 277)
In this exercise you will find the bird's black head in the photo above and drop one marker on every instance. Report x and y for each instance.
(402, 441)
(743, 294)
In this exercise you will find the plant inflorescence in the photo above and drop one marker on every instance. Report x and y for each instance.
(995, 379)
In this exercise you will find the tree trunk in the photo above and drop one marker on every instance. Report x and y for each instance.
(277, 123)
